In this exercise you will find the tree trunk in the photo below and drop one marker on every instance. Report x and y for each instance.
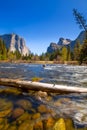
(29, 85)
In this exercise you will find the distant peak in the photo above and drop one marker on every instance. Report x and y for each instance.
(63, 41)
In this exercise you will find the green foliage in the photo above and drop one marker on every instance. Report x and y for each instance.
(83, 53)
(11, 56)
(28, 57)
(64, 53)
(68, 53)
(44, 56)
(72, 55)
(77, 49)
(3, 50)
(80, 19)
(18, 55)
(55, 55)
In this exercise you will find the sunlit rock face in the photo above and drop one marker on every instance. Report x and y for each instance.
(14, 42)
(66, 42)
(55, 46)
(80, 38)
(63, 42)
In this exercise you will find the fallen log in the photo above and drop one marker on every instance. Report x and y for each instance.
(29, 85)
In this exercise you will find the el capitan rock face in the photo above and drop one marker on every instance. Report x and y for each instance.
(14, 42)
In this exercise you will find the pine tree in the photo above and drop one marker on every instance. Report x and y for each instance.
(64, 53)
(68, 53)
(77, 49)
(83, 53)
(3, 50)
(80, 20)
(82, 24)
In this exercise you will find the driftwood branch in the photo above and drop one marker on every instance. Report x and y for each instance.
(29, 85)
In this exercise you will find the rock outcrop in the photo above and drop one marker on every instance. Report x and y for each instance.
(14, 42)
(65, 42)
(53, 47)
(80, 38)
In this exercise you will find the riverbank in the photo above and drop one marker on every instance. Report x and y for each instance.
(40, 62)
(43, 62)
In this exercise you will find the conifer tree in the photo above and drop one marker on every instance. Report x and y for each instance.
(68, 53)
(64, 53)
(3, 50)
(82, 24)
(80, 20)
(83, 53)
(77, 49)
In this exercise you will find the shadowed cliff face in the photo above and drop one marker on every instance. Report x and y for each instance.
(65, 42)
(53, 47)
(81, 37)
(14, 42)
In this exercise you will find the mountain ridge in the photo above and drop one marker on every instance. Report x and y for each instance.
(67, 42)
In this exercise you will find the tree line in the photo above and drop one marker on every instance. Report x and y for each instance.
(79, 53)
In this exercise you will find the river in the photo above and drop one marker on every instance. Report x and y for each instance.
(43, 108)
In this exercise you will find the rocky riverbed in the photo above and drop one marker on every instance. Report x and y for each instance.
(41, 111)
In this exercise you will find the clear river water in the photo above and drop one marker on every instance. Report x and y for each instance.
(43, 111)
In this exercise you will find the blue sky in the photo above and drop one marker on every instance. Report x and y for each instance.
(40, 22)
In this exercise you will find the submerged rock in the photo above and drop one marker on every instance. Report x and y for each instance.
(42, 109)
(38, 125)
(61, 101)
(23, 117)
(69, 124)
(50, 123)
(12, 127)
(36, 116)
(5, 108)
(9, 90)
(60, 125)
(25, 104)
(3, 124)
(17, 112)
(81, 117)
(26, 125)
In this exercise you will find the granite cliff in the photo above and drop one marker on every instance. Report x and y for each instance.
(80, 38)
(53, 47)
(65, 42)
(14, 42)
